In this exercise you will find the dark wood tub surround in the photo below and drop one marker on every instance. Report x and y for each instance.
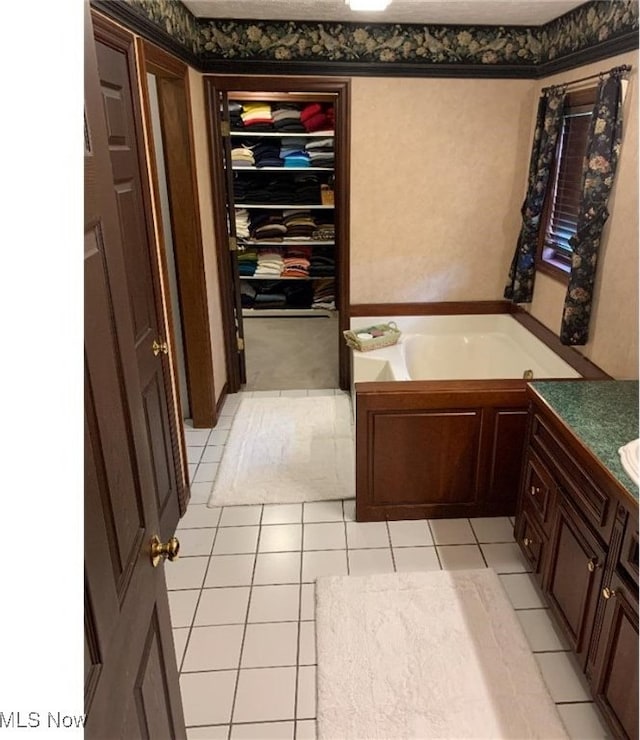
(435, 308)
(578, 362)
(445, 448)
(432, 449)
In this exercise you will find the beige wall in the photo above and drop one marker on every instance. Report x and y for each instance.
(613, 343)
(201, 144)
(438, 175)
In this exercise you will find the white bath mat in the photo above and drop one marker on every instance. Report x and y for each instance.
(426, 655)
(287, 450)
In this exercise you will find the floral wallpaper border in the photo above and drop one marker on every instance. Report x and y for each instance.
(586, 26)
(174, 19)
(293, 41)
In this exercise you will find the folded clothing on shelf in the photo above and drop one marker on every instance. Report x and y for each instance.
(324, 293)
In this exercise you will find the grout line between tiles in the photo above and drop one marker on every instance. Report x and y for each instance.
(435, 547)
(393, 557)
(246, 621)
(251, 668)
(201, 589)
(475, 537)
(295, 688)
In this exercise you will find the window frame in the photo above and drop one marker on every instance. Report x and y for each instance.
(547, 260)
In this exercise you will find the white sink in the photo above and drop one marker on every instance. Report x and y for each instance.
(630, 459)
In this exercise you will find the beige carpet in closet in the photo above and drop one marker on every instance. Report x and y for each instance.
(291, 353)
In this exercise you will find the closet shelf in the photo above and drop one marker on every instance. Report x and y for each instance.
(285, 243)
(282, 169)
(279, 277)
(282, 206)
(267, 312)
(282, 134)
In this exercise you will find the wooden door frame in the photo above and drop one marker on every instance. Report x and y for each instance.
(341, 87)
(186, 225)
(110, 33)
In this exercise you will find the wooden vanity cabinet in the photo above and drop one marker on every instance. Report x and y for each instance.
(578, 529)
(615, 677)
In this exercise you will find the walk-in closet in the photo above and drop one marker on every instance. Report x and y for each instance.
(280, 168)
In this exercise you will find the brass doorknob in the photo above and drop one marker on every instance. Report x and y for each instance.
(160, 552)
(607, 593)
(592, 565)
(158, 347)
(527, 542)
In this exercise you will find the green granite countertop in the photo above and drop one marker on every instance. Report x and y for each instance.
(603, 414)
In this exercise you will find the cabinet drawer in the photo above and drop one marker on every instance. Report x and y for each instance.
(592, 503)
(537, 486)
(531, 539)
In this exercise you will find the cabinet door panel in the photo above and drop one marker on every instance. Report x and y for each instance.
(616, 676)
(574, 576)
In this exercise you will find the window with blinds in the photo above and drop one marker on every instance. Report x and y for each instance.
(560, 215)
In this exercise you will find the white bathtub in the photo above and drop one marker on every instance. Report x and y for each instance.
(463, 347)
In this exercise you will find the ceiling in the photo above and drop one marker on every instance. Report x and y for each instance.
(448, 12)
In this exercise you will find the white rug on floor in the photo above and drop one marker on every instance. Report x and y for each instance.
(287, 450)
(426, 655)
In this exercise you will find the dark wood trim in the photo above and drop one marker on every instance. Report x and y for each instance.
(585, 367)
(111, 33)
(221, 399)
(218, 190)
(610, 48)
(442, 308)
(275, 84)
(343, 228)
(140, 24)
(215, 65)
(455, 387)
(176, 120)
(341, 89)
(163, 63)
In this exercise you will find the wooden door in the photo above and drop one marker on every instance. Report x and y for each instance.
(616, 671)
(131, 677)
(174, 104)
(116, 68)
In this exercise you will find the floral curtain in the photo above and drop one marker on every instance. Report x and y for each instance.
(519, 288)
(601, 159)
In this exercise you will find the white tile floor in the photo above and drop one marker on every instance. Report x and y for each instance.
(242, 599)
